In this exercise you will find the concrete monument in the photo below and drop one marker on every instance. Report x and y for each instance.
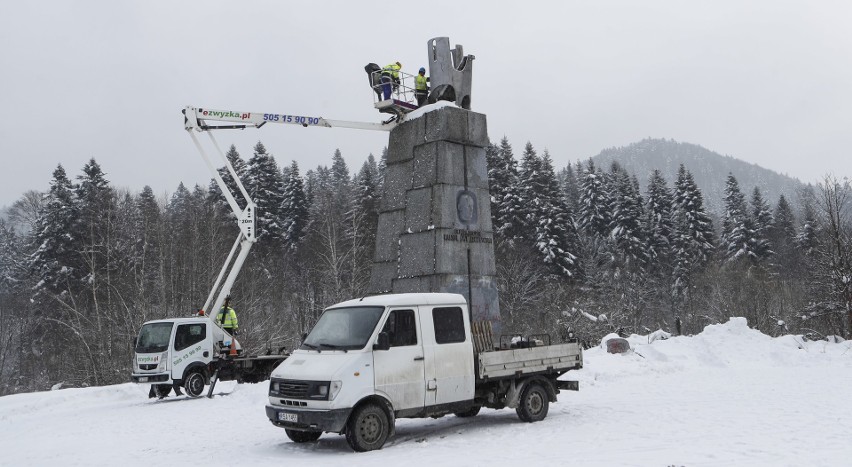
(434, 232)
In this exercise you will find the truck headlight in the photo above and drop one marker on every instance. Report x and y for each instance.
(163, 364)
(317, 390)
(334, 389)
(324, 391)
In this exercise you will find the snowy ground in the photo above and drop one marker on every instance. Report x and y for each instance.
(728, 396)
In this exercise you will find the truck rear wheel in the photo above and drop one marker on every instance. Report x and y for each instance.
(193, 384)
(367, 428)
(303, 436)
(534, 403)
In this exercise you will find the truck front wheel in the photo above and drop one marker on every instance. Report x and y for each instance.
(303, 436)
(160, 390)
(534, 403)
(193, 384)
(367, 428)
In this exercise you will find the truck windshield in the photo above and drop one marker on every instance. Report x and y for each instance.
(343, 328)
(154, 337)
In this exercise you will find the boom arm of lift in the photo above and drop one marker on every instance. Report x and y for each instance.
(198, 120)
(245, 238)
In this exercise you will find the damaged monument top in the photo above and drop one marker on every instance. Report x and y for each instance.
(450, 72)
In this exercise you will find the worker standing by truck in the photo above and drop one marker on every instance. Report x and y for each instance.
(227, 318)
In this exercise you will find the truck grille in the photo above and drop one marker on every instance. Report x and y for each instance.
(148, 366)
(294, 389)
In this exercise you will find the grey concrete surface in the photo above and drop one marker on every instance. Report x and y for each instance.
(435, 232)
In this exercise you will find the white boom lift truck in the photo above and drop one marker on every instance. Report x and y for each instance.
(369, 361)
(192, 352)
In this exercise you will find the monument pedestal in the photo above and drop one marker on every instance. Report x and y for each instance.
(434, 232)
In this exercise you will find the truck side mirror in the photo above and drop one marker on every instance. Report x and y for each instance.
(304, 336)
(383, 342)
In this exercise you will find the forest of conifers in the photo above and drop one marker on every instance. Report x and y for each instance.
(592, 249)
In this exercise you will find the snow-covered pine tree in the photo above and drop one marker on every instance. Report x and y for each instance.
(694, 237)
(366, 208)
(531, 191)
(783, 231)
(808, 237)
(263, 183)
(97, 204)
(626, 230)
(782, 237)
(509, 218)
(55, 262)
(658, 223)
(367, 196)
(496, 180)
(180, 255)
(11, 265)
(570, 186)
(148, 232)
(294, 207)
(594, 215)
(761, 216)
(555, 234)
(736, 241)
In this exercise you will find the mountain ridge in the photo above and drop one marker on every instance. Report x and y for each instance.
(709, 169)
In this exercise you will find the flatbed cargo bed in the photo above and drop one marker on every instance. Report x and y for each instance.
(557, 358)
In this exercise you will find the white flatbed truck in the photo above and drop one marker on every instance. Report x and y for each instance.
(369, 361)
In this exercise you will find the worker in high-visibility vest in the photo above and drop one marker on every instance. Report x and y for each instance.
(390, 75)
(227, 318)
(421, 88)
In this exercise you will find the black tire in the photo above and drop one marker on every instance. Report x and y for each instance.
(534, 403)
(161, 390)
(471, 412)
(193, 384)
(303, 436)
(368, 428)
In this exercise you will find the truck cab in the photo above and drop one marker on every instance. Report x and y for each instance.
(177, 352)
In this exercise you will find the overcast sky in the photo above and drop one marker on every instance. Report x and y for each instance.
(769, 82)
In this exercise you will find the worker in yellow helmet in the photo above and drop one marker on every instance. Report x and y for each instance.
(390, 74)
(421, 88)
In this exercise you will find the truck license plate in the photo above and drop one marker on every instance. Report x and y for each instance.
(288, 417)
(143, 379)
